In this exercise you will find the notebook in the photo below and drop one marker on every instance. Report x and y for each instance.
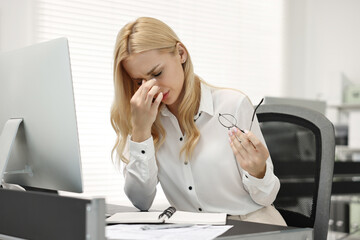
(170, 215)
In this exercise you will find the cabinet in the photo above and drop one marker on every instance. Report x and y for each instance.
(342, 111)
(347, 158)
(348, 115)
(346, 182)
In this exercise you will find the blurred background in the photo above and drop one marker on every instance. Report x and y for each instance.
(307, 50)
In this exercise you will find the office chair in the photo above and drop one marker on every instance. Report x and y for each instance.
(301, 143)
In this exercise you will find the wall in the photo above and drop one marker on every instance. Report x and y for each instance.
(323, 48)
(294, 48)
(322, 43)
(16, 24)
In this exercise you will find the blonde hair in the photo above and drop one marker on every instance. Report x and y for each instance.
(143, 35)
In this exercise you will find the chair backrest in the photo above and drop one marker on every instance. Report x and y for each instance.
(301, 143)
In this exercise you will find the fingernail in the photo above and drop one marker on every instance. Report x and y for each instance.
(233, 130)
(246, 131)
(230, 133)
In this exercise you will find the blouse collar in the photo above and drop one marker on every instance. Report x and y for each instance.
(206, 103)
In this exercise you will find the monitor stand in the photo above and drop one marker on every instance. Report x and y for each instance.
(7, 138)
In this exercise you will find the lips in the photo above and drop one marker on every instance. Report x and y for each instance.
(165, 95)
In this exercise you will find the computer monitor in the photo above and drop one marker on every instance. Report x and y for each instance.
(36, 93)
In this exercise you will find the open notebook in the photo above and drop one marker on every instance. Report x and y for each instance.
(170, 215)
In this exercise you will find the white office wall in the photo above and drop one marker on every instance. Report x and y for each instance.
(333, 47)
(16, 24)
(295, 48)
(323, 48)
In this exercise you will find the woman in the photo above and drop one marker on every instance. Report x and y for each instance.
(168, 131)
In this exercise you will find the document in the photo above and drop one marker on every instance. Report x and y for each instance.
(170, 215)
(137, 232)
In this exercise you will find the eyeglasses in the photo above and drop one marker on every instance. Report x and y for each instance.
(229, 121)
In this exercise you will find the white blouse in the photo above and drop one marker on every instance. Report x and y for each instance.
(213, 180)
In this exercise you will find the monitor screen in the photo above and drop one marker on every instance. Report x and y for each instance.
(36, 86)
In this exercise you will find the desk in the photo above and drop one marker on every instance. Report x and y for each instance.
(254, 231)
(46, 216)
(243, 230)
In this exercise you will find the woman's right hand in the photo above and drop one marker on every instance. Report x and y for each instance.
(144, 110)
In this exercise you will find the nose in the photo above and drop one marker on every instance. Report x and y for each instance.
(157, 82)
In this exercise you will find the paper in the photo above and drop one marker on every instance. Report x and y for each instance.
(135, 217)
(197, 218)
(180, 217)
(135, 232)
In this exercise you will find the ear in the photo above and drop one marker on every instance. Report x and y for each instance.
(182, 52)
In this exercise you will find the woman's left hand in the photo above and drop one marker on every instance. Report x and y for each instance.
(249, 151)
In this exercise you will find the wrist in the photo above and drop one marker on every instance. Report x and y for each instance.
(259, 174)
(140, 136)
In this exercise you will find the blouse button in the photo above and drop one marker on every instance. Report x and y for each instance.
(190, 187)
(143, 151)
(200, 209)
(181, 139)
(186, 163)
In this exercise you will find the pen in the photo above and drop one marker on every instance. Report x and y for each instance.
(165, 226)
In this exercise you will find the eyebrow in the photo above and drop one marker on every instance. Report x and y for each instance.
(152, 70)
(148, 73)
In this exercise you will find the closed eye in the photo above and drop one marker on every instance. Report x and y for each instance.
(158, 74)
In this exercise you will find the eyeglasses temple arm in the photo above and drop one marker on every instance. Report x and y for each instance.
(239, 128)
(252, 119)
